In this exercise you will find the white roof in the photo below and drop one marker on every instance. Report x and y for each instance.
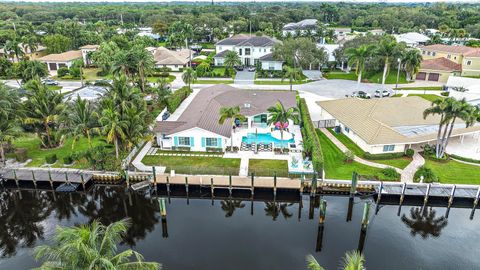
(412, 38)
(330, 48)
(473, 85)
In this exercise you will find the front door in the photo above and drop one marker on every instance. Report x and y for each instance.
(247, 62)
(52, 66)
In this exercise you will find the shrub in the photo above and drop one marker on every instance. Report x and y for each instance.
(68, 159)
(177, 98)
(181, 148)
(427, 173)
(409, 153)
(163, 69)
(102, 73)
(383, 156)
(389, 174)
(429, 150)
(471, 160)
(310, 133)
(61, 72)
(214, 149)
(51, 159)
(445, 94)
(235, 149)
(349, 156)
(21, 154)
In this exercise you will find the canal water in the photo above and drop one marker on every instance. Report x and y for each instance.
(233, 234)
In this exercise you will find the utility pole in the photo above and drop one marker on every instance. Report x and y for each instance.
(121, 18)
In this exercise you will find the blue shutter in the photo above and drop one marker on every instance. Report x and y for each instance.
(219, 142)
(175, 140)
(191, 142)
(203, 141)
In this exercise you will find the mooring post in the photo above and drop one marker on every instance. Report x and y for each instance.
(300, 206)
(313, 188)
(350, 209)
(323, 211)
(127, 180)
(477, 198)
(253, 185)
(402, 196)
(15, 177)
(353, 187)
(212, 189)
(186, 184)
(321, 221)
(154, 177)
(34, 180)
(230, 184)
(379, 193)
(427, 193)
(163, 213)
(452, 195)
(50, 178)
(274, 184)
(66, 178)
(366, 213)
(168, 184)
(83, 181)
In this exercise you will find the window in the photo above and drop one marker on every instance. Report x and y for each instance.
(247, 51)
(449, 56)
(184, 141)
(347, 130)
(239, 51)
(423, 52)
(264, 50)
(271, 66)
(388, 148)
(434, 53)
(428, 53)
(469, 62)
(211, 142)
(220, 48)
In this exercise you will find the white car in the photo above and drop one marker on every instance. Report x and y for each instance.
(380, 93)
(49, 82)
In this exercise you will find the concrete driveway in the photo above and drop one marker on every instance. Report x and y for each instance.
(340, 88)
(245, 77)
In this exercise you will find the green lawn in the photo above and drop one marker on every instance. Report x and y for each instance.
(424, 88)
(285, 82)
(54, 87)
(429, 97)
(34, 152)
(341, 75)
(195, 165)
(213, 82)
(373, 78)
(334, 166)
(400, 163)
(453, 172)
(90, 74)
(268, 167)
(153, 79)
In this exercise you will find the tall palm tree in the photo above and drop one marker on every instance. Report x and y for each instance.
(231, 59)
(291, 74)
(274, 209)
(9, 129)
(13, 48)
(9, 102)
(189, 76)
(278, 114)
(144, 63)
(387, 50)
(29, 44)
(353, 260)
(113, 126)
(33, 69)
(412, 60)
(92, 246)
(81, 120)
(231, 113)
(358, 57)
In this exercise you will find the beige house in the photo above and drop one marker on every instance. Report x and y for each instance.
(86, 51)
(28, 53)
(387, 125)
(58, 60)
(471, 63)
(438, 70)
(467, 57)
(175, 60)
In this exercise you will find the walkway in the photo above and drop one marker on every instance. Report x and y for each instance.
(244, 166)
(409, 171)
(138, 164)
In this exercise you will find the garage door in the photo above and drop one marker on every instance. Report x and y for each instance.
(433, 77)
(421, 76)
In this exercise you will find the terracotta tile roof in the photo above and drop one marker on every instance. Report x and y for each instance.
(90, 47)
(441, 63)
(473, 53)
(62, 57)
(449, 48)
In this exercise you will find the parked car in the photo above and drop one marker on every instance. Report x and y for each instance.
(251, 69)
(382, 93)
(361, 94)
(49, 82)
(239, 68)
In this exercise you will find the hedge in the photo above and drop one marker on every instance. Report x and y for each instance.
(309, 132)
(369, 156)
(177, 98)
(471, 160)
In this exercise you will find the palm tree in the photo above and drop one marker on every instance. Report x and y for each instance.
(412, 61)
(387, 50)
(33, 69)
(278, 114)
(29, 43)
(145, 64)
(231, 59)
(112, 125)
(13, 48)
(92, 246)
(189, 76)
(292, 74)
(8, 131)
(274, 209)
(231, 113)
(353, 260)
(358, 57)
(424, 222)
(81, 120)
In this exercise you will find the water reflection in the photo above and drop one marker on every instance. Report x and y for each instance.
(424, 223)
(229, 206)
(274, 209)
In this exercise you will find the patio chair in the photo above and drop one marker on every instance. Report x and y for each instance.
(254, 147)
(294, 163)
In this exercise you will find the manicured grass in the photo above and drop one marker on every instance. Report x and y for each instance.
(453, 172)
(285, 82)
(189, 152)
(373, 78)
(341, 75)
(268, 167)
(153, 79)
(213, 82)
(429, 97)
(400, 163)
(335, 167)
(90, 74)
(34, 152)
(424, 88)
(195, 165)
(54, 87)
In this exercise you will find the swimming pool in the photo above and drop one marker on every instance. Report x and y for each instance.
(264, 138)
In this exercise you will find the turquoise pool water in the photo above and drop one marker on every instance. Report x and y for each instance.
(264, 138)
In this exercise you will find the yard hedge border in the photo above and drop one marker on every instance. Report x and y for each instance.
(317, 154)
(177, 98)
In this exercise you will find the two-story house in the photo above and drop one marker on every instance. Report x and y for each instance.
(467, 57)
(250, 49)
(300, 28)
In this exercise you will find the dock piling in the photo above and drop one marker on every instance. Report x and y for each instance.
(402, 196)
(168, 185)
(253, 185)
(477, 198)
(427, 194)
(154, 172)
(274, 184)
(230, 184)
(379, 193)
(186, 184)
(353, 186)
(34, 180)
(15, 177)
(50, 178)
(313, 188)
(323, 211)
(452, 195)
(350, 209)
(365, 217)
(83, 181)
(321, 224)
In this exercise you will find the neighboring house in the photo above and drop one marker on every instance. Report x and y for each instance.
(467, 57)
(300, 28)
(269, 63)
(58, 60)
(86, 52)
(412, 39)
(438, 70)
(329, 48)
(377, 32)
(175, 60)
(197, 126)
(249, 48)
(339, 32)
(461, 87)
(28, 54)
(387, 125)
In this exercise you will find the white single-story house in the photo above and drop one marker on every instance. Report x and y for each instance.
(341, 31)
(463, 87)
(58, 60)
(387, 125)
(412, 39)
(197, 126)
(175, 60)
(249, 48)
(86, 51)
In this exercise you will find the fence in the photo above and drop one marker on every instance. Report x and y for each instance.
(328, 123)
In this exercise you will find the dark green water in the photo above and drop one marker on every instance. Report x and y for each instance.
(227, 236)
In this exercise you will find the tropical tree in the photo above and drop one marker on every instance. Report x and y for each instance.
(189, 76)
(291, 74)
(28, 70)
(92, 246)
(449, 110)
(279, 116)
(29, 43)
(81, 120)
(9, 129)
(105, 55)
(231, 113)
(13, 48)
(162, 91)
(274, 209)
(231, 60)
(112, 125)
(353, 260)
(388, 50)
(412, 61)
(358, 57)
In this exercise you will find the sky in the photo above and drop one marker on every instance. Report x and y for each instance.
(249, 1)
